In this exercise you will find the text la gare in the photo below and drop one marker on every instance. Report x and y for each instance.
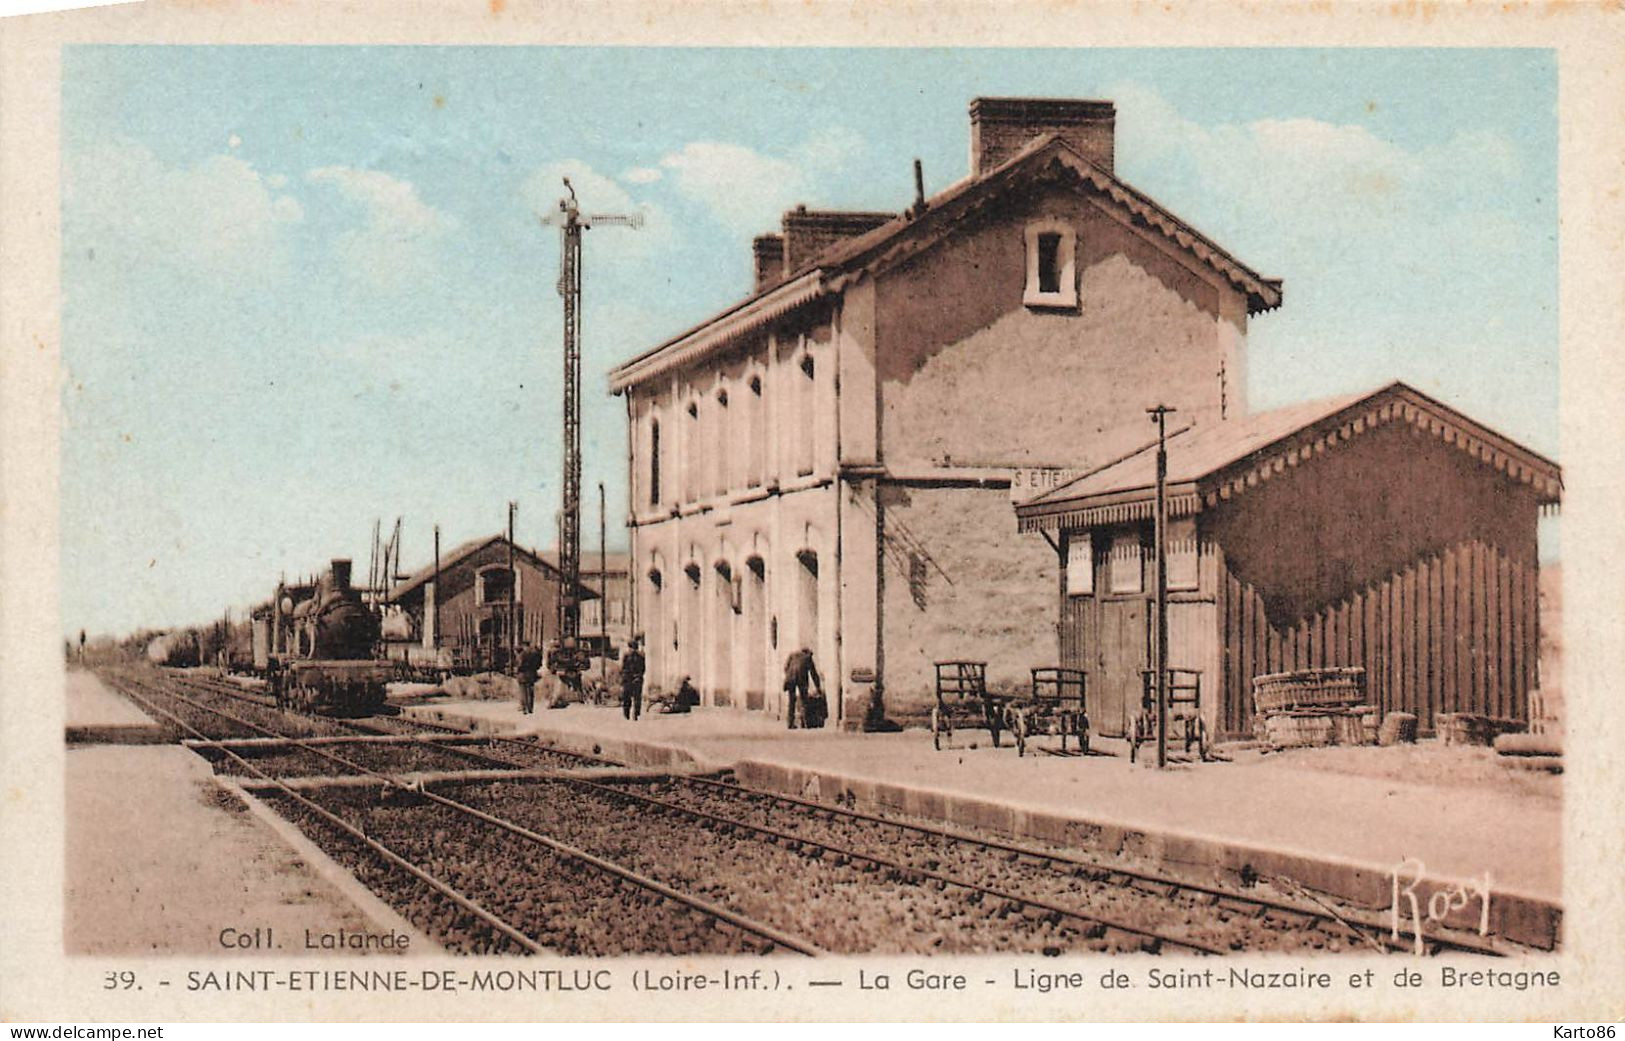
(915, 979)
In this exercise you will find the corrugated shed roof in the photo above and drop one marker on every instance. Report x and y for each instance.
(1203, 461)
(1195, 452)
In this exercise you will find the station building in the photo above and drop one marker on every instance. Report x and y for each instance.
(831, 462)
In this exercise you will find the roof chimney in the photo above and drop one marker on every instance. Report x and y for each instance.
(1001, 127)
(769, 252)
(807, 233)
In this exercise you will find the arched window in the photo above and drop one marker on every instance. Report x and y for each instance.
(654, 461)
(756, 435)
(720, 471)
(807, 395)
(693, 452)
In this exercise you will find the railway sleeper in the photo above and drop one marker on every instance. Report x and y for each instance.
(1241, 907)
(1153, 887)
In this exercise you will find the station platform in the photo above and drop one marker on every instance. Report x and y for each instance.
(1337, 821)
(162, 858)
(94, 714)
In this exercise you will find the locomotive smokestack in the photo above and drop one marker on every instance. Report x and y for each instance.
(341, 574)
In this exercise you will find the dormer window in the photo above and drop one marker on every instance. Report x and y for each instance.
(1051, 265)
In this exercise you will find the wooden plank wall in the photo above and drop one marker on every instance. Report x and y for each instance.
(1457, 631)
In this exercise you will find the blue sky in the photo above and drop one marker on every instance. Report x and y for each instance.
(305, 287)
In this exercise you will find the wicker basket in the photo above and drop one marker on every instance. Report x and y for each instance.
(1306, 688)
(1291, 730)
(1397, 728)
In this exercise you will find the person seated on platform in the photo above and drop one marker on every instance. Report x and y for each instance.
(684, 698)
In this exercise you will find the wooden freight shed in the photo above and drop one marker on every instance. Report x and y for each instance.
(1383, 530)
(464, 610)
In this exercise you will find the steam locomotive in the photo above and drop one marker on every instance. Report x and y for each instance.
(316, 644)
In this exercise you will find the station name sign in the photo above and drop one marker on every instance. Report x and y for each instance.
(1031, 482)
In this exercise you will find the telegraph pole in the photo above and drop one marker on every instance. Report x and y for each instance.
(1159, 415)
(603, 596)
(436, 645)
(513, 589)
(569, 662)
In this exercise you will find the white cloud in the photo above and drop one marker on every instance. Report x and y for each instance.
(1310, 187)
(829, 149)
(393, 249)
(641, 175)
(745, 190)
(1401, 260)
(748, 191)
(218, 219)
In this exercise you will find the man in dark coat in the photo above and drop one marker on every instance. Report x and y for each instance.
(632, 666)
(530, 667)
(800, 675)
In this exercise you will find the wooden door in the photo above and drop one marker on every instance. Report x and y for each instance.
(1122, 651)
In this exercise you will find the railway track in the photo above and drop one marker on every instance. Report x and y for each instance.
(609, 895)
(931, 841)
(856, 875)
(501, 751)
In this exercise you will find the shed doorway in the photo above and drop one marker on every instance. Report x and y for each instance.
(1124, 650)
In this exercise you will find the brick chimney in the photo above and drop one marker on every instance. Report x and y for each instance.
(1001, 127)
(808, 233)
(769, 252)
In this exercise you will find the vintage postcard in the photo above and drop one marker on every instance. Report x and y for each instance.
(619, 512)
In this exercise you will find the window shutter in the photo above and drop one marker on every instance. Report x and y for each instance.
(1080, 565)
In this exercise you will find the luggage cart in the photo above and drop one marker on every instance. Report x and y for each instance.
(963, 701)
(1184, 711)
(1057, 706)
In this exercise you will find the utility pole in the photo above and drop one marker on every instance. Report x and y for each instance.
(513, 589)
(1159, 416)
(603, 596)
(569, 662)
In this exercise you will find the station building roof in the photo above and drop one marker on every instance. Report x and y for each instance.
(1048, 158)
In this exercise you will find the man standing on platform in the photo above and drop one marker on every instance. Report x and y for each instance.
(800, 675)
(632, 666)
(530, 667)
